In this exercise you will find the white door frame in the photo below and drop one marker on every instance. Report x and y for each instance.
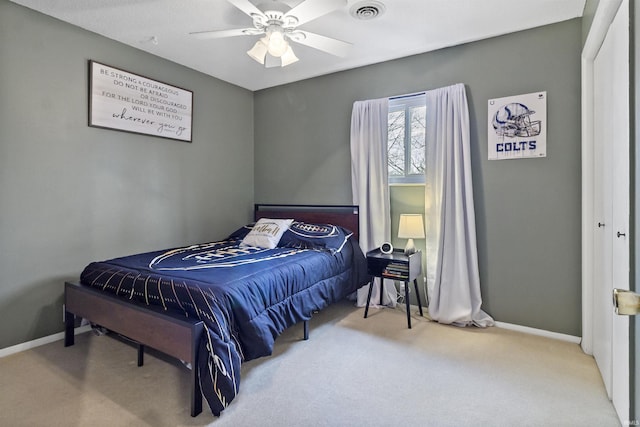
(602, 19)
(604, 16)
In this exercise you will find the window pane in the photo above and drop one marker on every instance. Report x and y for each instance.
(417, 162)
(396, 143)
(406, 139)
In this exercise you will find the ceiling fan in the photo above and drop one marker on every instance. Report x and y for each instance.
(279, 25)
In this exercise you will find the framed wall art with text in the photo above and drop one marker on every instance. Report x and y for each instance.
(129, 102)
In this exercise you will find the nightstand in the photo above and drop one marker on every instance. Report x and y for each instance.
(395, 266)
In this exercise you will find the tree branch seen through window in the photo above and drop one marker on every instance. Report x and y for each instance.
(406, 139)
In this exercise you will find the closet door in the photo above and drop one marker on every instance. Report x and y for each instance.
(603, 240)
(611, 208)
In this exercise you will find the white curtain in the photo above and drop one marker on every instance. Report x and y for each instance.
(452, 259)
(369, 184)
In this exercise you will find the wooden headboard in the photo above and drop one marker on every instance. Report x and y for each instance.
(346, 216)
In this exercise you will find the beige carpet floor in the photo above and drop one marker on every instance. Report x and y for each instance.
(352, 372)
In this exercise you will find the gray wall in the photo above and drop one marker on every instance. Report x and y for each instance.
(527, 211)
(70, 194)
(408, 199)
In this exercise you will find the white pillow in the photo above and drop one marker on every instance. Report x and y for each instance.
(266, 233)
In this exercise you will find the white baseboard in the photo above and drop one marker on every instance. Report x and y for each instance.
(517, 328)
(40, 341)
(539, 332)
(86, 328)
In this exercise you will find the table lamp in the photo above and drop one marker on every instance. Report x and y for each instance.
(411, 227)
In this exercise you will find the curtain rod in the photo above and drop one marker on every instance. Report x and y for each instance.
(408, 95)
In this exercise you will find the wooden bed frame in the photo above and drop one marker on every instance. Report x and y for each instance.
(176, 335)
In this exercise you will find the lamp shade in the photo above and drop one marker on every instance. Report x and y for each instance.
(258, 51)
(411, 226)
(288, 58)
(277, 45)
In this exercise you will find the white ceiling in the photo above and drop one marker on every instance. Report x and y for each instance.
(407, 27)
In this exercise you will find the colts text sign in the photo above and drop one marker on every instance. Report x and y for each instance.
(517, 126)
(129, 102)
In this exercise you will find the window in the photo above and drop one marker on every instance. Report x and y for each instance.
(406, 140)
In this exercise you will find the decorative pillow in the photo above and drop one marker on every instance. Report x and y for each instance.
(315, 236)
(266, 233)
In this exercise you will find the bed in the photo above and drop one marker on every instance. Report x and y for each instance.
(217, 304)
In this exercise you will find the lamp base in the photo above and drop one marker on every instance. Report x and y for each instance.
(410, 248)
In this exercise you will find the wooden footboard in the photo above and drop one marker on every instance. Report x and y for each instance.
(171, 334)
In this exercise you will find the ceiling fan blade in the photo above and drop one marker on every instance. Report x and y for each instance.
(206, 35)
(311, 9)
(247, 7)
(326, 44)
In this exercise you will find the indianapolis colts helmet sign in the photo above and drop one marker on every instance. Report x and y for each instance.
(517, 126)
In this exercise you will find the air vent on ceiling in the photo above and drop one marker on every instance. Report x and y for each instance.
(367, 9)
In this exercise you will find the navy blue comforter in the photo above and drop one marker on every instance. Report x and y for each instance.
(245, 296)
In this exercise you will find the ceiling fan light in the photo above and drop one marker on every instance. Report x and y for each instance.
(288, 57)
(258, 51)
(277, 44)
